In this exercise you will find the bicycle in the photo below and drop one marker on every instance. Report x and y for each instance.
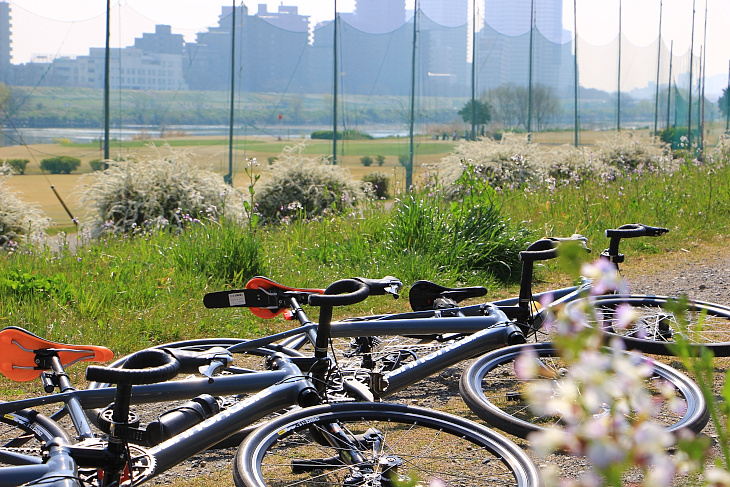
(504, 407)
(370, 370)
(352, 443)
(442, 336)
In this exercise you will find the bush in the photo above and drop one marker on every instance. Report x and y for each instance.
(98, 165)
(677, 137)
(60, 164)
(347, 134)
(18, 165)
(297, 187)
(403, 160)
(630, 153)
(17, 218)
(380, 159)
(513, 162)
(156, 193)
(366, 161)
(380, 183)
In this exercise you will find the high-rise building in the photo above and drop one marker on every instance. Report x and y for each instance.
(378, 16)
(513, 17)
(444, 29)
(503, 46)
(5, 41)
(453, 13)
(163, 41)
(269, 48)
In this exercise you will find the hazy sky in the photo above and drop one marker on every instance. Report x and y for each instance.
(70, 27)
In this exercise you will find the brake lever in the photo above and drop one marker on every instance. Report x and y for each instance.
(218, 362)
(393, 288)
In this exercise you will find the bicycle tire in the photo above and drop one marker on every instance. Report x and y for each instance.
(492, 391)
(22, 434)
(656, 330)
(412, 438)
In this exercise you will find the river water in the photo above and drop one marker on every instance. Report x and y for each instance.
(20, 136)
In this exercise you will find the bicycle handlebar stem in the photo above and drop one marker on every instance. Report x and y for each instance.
(339, 293)
(630, 230)
(543, 249)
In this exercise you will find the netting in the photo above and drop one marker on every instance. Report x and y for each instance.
(390, 75)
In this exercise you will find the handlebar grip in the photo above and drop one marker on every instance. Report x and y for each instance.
(543, 249)
(144, 367)
(341, 293)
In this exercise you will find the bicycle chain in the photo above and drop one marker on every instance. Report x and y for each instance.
(23, 450)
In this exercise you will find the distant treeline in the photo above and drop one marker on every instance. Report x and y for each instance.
(82, 107)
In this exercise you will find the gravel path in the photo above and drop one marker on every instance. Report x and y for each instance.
(681, 272)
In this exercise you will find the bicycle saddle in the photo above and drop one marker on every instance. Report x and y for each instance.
(19, 349)
(423, 294)
(264, 297)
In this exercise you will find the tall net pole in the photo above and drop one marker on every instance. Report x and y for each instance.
(228, 178)
(409, 167)
(473, 70)
(691, 61)
(618, 81)
(658, 65)
(575, 71)
(704, 79)
(669, 85)
(727, 101)
(106, 82)
(335, 76)
(529, 81)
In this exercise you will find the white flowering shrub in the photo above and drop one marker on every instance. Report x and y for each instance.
(721, 153)
(17, 217)
(140, 195)
(298, 187)
(513, 162)
(629, 152)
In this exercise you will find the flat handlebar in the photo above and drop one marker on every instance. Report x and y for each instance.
(636, 230)
(341, 293)
(144, 367)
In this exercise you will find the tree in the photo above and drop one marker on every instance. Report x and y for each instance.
(18, 165)
(476, 112)
(544, 104)
(4, 94)
(60, 164)
(511, 104)
(722, 103)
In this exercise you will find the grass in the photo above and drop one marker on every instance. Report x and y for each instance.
(151, 286)
(134, 292)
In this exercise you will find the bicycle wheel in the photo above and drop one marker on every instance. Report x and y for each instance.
(657, 328)
(493, 392)
(22, 434)
(388, 443)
